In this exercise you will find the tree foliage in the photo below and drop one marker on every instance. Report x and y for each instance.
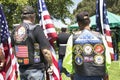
(90, 6)
(58, 9)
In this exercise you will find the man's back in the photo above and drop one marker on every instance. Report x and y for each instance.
(62, 41)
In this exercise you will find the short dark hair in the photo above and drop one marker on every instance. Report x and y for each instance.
(63, 29)
(83, 18)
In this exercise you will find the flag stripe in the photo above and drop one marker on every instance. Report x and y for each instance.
(49, 26)
(51, 34)
(11, 63)
(103, 24)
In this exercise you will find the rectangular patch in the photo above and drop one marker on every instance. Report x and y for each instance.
(21, 51)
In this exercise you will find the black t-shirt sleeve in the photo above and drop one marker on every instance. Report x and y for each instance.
(40, 37)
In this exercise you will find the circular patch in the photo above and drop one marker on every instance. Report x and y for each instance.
(99, 49)
(77, 49)
(20, 34)
(78, 59)
(99, 59)
(87, 48)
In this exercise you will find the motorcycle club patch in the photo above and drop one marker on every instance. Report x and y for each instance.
(99, 59)
(77, 49)
(79, 59)
(20, 33)
(99, 49)
(87, 48)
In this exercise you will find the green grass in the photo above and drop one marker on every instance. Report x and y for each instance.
(114, 71)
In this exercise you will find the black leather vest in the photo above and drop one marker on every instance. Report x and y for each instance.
(89, 54)
(26, 48)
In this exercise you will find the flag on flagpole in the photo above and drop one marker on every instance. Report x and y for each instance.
(102, 24)
(49, 30)
(46, 21)
(10, 68)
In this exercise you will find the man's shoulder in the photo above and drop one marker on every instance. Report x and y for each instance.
(95, 32)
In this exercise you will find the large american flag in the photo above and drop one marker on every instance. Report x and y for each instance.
(102, 24)
(10, 69)
(49, 30)
(46, 21)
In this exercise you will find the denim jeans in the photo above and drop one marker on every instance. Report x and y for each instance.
(60, 64)
(32, 74)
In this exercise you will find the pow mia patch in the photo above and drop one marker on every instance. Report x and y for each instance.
(79, 59)
(20, 33)
(99, 49)
(87, 48)
(77, 49)
(99, 59)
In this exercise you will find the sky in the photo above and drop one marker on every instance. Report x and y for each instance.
(58, 23)
(75, 5)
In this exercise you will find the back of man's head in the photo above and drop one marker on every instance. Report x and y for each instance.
(63, 29)
(27, 12)
(83, 18)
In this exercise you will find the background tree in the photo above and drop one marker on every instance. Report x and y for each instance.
(90, 6)
(58, 9)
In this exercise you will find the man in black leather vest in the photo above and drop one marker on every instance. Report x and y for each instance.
(31, 47)
(89, 50)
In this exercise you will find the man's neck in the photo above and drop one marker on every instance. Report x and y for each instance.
(27, 21)
(86, 27)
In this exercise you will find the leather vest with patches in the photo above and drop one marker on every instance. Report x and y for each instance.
(88, 54)
(26, 49)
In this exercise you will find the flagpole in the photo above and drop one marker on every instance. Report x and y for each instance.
(42, 24)
(51, 35)
(41, 15)
(101, 15)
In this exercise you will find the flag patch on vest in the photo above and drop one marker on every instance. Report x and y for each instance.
(21, 51)
(87, 37)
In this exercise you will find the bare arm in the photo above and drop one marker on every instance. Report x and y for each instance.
(47, 55)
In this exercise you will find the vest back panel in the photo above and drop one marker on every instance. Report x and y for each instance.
(89, 54)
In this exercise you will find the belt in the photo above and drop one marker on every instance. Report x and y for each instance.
(62, 44)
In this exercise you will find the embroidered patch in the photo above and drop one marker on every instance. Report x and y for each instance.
(78, 59)
(20, 60)
(26, 61)
(99, 49)
(77, 49)
(20, 34)
(87, 48)
(21, 51)
(88, 59)
(87, 37)
(99, 59)
(36, 53)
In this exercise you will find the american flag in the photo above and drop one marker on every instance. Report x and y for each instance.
(46, 21)
(102, 24)
(51, 34)
(10, 66)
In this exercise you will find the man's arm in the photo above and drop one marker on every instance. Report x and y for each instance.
(48, 57)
